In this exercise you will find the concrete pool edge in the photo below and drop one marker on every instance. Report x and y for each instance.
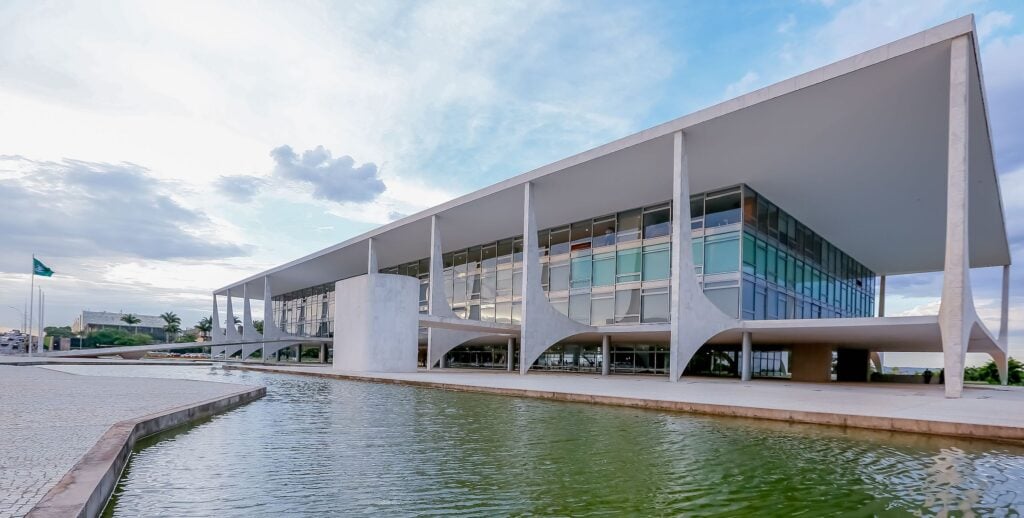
(963, 430)
(87, 486)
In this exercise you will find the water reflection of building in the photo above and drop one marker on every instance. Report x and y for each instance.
(806, 195)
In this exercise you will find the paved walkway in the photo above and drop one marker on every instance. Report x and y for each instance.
(49, 419)
(875, 404)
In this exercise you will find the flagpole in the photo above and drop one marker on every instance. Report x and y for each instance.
(31, 303)
(39, 322)
(42, 316)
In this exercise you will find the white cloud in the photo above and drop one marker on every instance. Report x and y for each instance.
(198, 92)
(786, 25)
(334, 179)
(992, 21)
(749, 82)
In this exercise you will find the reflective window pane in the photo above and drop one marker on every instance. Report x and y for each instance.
(627, 306)
(657, 222)
(581, 272)
(722, 253)
(655, 305)
(602, 309)
(604, 231)
(629, 225)
(604, 269)
(722, 209)
(657, 260)
(628, 265)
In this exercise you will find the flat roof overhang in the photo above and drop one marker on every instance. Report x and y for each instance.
(856, 150)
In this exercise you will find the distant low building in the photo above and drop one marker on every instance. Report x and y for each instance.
(91, 321)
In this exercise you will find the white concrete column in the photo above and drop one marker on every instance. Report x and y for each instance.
(694, 319)
(215, 334)
(230, 331)
(1003, 360)
(746, 358)
(511, 353)
(1004, 310)
(440, 341)
(881, 296)
(248, 329)
(956, 312)
(542, 325)
(606, 354)
(371, 257)
(269, 329)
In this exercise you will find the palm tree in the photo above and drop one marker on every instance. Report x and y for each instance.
(132, 320)
(172, 324)
(204, 327)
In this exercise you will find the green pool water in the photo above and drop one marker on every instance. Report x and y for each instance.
(318, 447)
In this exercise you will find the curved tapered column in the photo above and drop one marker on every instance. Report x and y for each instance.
(876, 358)
(249, 348)
(248, 329)
(1002, 359)
(231, 349)
(216, 335)
(270, 330)
(956, 311)
(439, 341)
(542, 325)
(216, 350)
(270, 348)
(694, 319)
(230, 331)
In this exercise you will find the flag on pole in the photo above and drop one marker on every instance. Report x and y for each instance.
(41, 269)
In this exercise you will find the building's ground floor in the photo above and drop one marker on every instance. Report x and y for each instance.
(819, 364)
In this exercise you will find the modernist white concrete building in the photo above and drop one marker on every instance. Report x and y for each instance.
(803, 197)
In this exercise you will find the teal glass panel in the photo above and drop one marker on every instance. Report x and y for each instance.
(748, 253)
(582, 272)
(722, 253)
(627, 265)
(760, 259)
(657, 261)
(604, 269)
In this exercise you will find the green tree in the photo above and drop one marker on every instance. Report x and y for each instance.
(989, 373)
(132, 320)
(204, 326)
(187, 337)
(111, 337)
(259, 326)
(59, 332)
(172, 324)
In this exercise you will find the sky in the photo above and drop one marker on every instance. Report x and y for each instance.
(152, 151)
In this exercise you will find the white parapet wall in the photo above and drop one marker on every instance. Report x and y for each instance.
(376, 323)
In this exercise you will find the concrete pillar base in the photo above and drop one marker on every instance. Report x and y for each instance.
(746, 357)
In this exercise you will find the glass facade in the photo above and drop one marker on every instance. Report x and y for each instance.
(306, 312)
(753, 260)
(789, 271)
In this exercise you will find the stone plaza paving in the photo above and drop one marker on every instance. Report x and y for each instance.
(49, 419)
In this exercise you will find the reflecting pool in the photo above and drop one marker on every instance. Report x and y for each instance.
(319, 447)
